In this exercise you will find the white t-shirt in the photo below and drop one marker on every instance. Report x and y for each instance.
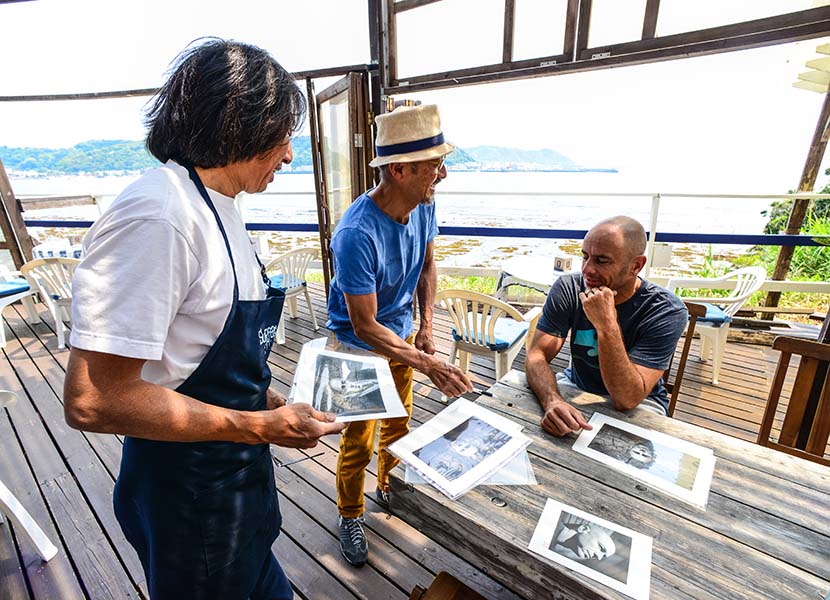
(156, 280)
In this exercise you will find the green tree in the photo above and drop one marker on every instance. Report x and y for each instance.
(779, 212)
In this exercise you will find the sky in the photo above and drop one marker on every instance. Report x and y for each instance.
(732, 122)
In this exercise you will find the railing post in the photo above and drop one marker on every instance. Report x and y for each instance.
(652, 233)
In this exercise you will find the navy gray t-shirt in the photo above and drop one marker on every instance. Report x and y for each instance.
(651, 321)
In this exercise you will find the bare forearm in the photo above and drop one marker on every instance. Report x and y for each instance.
(145, 410)
(427, 286)
(542, 381)
(384, 341)
(624, 383)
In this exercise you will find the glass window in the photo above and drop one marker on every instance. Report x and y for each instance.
(449, 35)
(616, 22)
(539, 28)
(679, 16)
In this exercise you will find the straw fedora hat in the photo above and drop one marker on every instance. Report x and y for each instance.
(410, 134)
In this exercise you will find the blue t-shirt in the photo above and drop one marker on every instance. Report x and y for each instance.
(373, 253)
(651, 321)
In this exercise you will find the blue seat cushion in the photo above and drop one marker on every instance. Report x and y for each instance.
(9, 288)
(507, 332)
(276, 281)
(714, 315)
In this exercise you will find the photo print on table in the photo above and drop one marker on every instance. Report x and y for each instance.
(642, 453)
(673, 465)
(603, 551)
(354, 387)
(462, 447)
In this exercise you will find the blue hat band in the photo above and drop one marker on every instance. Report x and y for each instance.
(406, 147)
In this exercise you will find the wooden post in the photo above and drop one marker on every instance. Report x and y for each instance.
(800, 205)
(18, 242)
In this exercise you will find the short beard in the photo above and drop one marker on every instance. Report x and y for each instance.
(428, 200)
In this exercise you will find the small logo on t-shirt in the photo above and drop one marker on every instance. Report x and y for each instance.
(588, 339)
(267, 335)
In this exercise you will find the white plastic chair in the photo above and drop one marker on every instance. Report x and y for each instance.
(19, 516)
(14, 287)
(486, 326)
(714, 327)
(52, 278)
(289, 273)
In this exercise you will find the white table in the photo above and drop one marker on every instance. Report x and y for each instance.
(531, 271)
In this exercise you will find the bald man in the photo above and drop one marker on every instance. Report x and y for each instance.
(623, 330)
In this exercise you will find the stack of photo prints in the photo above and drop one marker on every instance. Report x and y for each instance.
(462, 446)
(352, 386)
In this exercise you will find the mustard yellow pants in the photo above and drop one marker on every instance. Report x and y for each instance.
(357, 446)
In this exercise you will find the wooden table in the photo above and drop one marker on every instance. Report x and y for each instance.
(765, 533)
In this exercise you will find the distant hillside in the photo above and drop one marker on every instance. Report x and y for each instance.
(497, 154)
(86, 157)
(102, 156)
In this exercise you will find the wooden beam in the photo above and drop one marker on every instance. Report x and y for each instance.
(11, 223)
(374, 30)
(389, 42)
(509, 30)
(650, 19)
(569, 47)
(800, 205)
(56, 202)
(583, 25)
(405, 5)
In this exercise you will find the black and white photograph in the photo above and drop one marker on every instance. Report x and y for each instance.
(606, 552)
(460, 447)
(675, 466)
(353, 387)
(518, 471)
(346, 387)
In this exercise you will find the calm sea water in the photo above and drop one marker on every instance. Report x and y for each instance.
(459, 204)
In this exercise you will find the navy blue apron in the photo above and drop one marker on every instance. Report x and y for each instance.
(202, 516)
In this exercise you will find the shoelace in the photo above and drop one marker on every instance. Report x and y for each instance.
(354, 529)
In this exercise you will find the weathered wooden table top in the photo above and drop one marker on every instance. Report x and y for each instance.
(765, 532)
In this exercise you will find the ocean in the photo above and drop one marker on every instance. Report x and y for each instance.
(482, 199)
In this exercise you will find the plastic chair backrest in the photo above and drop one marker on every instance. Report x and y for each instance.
(52, 277)
(748, 280)
(474, 315)
(292, 266)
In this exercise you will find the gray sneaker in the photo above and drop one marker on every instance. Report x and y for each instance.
(353, 542)
(382, 498)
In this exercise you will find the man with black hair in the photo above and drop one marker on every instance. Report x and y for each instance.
(173, 321)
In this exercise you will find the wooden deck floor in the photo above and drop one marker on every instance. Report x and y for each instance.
(65, 478)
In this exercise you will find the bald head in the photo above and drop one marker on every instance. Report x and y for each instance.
(632, 233)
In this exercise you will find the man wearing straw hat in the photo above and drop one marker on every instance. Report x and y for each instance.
(383, 257)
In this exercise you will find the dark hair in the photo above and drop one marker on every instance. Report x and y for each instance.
(223, 102)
